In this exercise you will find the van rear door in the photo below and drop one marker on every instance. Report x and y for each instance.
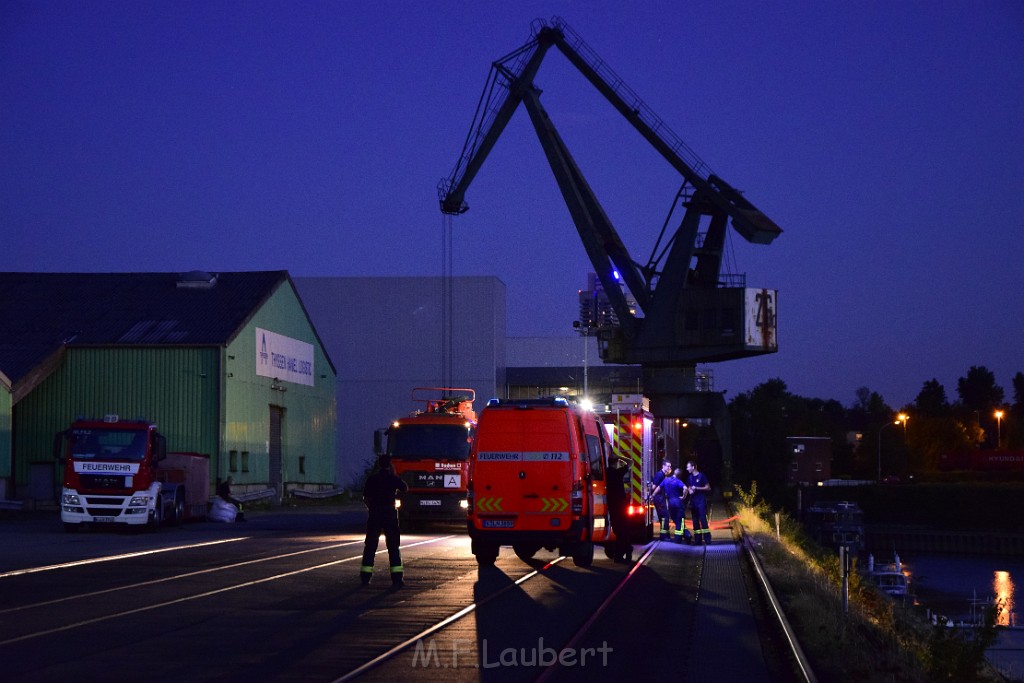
(523, 470)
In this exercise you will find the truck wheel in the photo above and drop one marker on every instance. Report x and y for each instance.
(583, 554)
(178, 513)
(486, 553)
(156, 517)
(525, 552)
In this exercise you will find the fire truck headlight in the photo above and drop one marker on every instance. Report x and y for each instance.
(71, 499)
(464, 504)
(139, 500)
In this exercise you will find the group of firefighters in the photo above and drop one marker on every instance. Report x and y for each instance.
(671, 496)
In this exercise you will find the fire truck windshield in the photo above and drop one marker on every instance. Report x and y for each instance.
(442, 442)
(118, 444)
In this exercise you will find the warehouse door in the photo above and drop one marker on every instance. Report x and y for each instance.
(276, 459)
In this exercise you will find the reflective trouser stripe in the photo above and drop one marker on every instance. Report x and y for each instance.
(679, 532)
(703, 531)
(366, 569)
(396, 569)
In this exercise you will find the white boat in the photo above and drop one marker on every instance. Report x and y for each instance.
(889, 577)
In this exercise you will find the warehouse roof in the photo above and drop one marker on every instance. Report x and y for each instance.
(41, 313)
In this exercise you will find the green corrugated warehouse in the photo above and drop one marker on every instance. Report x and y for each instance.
(228, 365)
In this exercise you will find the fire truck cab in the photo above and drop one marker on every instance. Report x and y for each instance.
(119, 472)
(429, 450)
(538, 472)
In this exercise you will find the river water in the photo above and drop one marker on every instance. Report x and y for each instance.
(960, 586)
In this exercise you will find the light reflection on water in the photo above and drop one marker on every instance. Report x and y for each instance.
(1002, 587)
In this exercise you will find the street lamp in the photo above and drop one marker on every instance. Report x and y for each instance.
(584, 329)
(901, 418)
(999, 428)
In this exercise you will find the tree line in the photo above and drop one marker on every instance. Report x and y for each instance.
(908, 441)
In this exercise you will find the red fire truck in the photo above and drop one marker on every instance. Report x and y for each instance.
(429, 450)
(119, 472)
(632, 434)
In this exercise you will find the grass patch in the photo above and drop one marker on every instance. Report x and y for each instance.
(877, 638)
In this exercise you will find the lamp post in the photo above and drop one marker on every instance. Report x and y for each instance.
(584, 329)
(901, 418)
(999, 428)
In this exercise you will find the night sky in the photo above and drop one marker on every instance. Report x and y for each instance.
(885, 138)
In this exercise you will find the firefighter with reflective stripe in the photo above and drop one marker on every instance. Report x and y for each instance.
(698, 486)
(658, 497)
(675, 495)
(379, 494)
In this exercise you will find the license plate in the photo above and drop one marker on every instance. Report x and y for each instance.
(103, 520)
(498, 523)
(430, 502)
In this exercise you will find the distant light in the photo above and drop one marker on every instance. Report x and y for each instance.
(587, 404)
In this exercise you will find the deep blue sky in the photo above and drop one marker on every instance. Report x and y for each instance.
(885, 138)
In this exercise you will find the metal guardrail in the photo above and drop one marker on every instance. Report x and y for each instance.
(787, 629)
(329, 493)
(255, 495)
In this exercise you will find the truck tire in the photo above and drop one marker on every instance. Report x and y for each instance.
(178, 512)
(157, 516)
(486, 553)
(583, 554)
(525, 551)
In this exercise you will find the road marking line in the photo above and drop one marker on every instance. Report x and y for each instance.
(111, 558)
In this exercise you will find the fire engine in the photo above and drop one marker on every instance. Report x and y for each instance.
(632, 434)
(119, 472)
(429, 450)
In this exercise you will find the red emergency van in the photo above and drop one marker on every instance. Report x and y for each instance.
(538, 480)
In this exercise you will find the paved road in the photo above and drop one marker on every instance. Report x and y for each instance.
(278, 599)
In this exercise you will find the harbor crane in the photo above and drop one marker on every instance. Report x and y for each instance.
(687, 311)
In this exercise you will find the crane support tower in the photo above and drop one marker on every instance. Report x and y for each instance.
(687, 311)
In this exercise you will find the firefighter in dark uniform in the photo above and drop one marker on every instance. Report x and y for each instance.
(379, 495)
(698, 486)
(658, 496)
(622, 550)
(675, 495)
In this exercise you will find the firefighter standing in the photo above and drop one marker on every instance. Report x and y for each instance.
(698, 486)
(617, 502)
(379, 495)
(658, 496)
(675, 495)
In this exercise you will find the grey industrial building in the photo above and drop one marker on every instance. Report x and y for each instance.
(385, 334)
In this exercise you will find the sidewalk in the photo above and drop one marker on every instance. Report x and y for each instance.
(684, 616)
